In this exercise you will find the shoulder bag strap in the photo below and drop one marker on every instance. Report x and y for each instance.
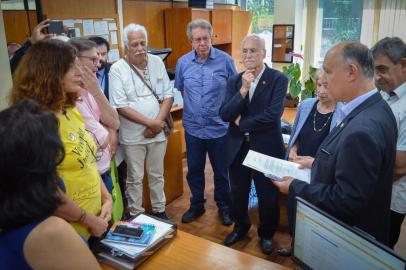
(142, 79)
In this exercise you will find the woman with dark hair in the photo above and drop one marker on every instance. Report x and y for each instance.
(30, 237)
(50, 74)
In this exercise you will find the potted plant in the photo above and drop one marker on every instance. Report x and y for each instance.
(296, 88)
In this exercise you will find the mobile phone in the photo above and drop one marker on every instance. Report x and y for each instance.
(55, 27)
(127, 231)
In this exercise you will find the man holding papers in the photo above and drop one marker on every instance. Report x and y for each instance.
(253, 105)
(352, 171)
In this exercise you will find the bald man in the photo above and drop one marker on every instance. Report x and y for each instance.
(352, 171)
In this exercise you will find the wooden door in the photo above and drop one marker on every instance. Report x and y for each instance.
(242, 26)
(17, 25)
(222, 25)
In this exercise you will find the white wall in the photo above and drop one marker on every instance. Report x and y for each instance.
(289, 12)
(5, 73)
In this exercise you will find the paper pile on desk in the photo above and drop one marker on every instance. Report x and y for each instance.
(275, 168)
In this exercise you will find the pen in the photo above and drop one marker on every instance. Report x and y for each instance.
(325, 151)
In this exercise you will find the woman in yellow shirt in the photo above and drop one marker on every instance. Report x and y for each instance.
(50, 74)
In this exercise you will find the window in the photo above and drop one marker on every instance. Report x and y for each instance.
(262, 22)
(338, 20)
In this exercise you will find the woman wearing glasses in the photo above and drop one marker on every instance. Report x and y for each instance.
(101, 120)
(54, 80)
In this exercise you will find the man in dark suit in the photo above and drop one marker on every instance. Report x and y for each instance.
(352, 171)
(103, 48)
(253, 105)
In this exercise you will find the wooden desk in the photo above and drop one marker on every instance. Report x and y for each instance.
(187, 251)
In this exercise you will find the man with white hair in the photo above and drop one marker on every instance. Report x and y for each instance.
(253, 105)
(136, 82)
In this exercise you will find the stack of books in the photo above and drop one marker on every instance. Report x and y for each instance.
(128, 252)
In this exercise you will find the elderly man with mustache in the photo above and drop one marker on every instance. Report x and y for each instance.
(136, 82)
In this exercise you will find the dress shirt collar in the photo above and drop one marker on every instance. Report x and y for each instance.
(212, 55)
(396, 94)
(347, 108)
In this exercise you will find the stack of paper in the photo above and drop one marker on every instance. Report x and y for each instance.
(275, 168)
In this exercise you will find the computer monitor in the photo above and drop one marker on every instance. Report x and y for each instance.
(321, 241)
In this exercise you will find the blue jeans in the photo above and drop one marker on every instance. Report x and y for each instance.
(196, 150)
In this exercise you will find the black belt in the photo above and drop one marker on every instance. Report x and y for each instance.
(246, 137)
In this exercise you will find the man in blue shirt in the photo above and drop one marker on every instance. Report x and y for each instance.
(201, 76)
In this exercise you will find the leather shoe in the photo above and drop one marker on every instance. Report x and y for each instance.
(225, 216)
(234, 237)
(266, 246)
(161, 215)
(286, 252)
(192, 214)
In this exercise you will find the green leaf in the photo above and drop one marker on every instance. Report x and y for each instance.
(296, 71)
(309, 85)
(295, 88)
(306, 94)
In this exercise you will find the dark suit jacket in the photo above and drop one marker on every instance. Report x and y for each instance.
(353, 169)
(106, 80)
(261, 117)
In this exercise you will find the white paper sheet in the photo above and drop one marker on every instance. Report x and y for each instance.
(113, 35)
(69, 23)
(101, 28)
(275, 168)
(286, 138)
(113, 55)
(77, 32)
(112, 27)
(88, 28)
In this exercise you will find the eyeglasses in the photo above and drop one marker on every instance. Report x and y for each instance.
(205, 39)
(250, 50)
(95, 60)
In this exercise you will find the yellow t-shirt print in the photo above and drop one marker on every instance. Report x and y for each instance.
(79, 169)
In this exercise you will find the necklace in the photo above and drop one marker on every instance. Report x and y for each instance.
(325, 124)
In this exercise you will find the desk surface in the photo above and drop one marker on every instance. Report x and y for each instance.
(187, 251)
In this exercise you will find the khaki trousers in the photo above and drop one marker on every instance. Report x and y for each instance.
(152, 155)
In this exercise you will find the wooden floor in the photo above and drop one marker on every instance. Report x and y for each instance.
(210, 227)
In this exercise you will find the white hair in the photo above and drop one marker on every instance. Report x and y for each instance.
(254, 37)
(134, 28)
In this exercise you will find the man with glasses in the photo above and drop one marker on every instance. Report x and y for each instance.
(103, 67)
(136, 83)
(254, 105)
(101, 119)
(201, 76)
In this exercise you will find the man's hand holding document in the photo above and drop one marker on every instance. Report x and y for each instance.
(275, 168)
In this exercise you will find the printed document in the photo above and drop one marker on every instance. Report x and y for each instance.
(275, 168)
